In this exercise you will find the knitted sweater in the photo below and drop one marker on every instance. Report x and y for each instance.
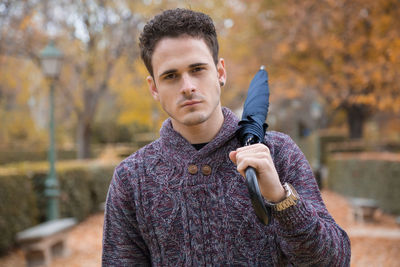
(170, 205)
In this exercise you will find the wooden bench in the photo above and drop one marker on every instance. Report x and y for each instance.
(44, 241)
(363, 209)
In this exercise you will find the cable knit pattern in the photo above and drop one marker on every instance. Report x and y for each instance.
(158, 213)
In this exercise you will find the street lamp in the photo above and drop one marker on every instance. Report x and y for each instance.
(50, 58)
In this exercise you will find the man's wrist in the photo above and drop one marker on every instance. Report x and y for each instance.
(279, 196)
(290, 199)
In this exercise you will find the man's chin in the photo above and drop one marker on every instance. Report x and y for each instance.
(194, 118)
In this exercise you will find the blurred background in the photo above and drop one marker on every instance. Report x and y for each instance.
(334, 74)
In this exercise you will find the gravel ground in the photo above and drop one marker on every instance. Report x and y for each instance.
(372, 244)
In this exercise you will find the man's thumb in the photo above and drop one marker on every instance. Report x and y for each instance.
(232, 156)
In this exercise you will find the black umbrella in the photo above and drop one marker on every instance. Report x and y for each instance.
(252, 131)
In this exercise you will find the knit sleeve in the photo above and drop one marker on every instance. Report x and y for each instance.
(122, 243)
(307, 235)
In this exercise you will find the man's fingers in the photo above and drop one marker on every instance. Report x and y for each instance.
(253, 148)
(254, 162)
(255, 156)
(249, 154)
(232, 156)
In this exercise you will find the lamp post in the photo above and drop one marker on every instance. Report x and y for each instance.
(50, 59)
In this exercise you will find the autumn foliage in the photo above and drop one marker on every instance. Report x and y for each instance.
(348, 50)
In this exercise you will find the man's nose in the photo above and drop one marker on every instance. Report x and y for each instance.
(188, 86)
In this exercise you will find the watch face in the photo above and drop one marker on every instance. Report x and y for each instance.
(291, 198)
(294, 192)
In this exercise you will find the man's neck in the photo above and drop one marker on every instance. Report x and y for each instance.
(204, 132)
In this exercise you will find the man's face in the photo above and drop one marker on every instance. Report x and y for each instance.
(186, 81)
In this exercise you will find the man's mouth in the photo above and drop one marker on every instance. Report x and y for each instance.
(190, 103)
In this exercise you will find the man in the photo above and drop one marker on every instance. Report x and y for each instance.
(182, 200)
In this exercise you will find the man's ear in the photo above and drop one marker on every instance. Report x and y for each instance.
(153, 87)
(221, 71)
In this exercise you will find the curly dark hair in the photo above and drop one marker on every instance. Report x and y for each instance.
(175, 23)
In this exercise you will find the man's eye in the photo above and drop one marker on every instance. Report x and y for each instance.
(170, 76)
(197, 69)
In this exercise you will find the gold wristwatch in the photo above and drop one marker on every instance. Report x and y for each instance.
(291, 198)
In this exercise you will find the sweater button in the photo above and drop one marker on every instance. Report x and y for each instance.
(192, 169)
(206, 170)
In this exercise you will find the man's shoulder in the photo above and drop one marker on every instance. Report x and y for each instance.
(136, 162)
(282, 147)
(280, 142)
(275, 138)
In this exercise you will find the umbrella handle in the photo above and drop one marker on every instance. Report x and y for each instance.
(263, 213)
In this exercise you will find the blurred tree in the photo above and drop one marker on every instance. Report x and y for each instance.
(348, 50)
(103, 33)
(93, 35)
(17, 78)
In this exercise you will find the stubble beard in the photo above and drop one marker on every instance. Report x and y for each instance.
(192, 117)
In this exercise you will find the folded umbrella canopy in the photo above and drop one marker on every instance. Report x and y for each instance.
(252, 130)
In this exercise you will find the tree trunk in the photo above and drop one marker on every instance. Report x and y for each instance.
(83, 134)
(356, 116)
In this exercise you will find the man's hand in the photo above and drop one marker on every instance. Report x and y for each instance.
(259, 157)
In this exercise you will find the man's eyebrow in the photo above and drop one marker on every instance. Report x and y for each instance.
(197, 65)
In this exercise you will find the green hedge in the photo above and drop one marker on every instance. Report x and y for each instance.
(17, 155)
(367, 175)
(309, 146)
(18, 207)
(363, 146)
(83, 187)
(326, 139)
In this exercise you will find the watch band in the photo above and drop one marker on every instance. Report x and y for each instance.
(291, 198)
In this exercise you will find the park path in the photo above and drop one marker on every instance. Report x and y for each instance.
(373, 244)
